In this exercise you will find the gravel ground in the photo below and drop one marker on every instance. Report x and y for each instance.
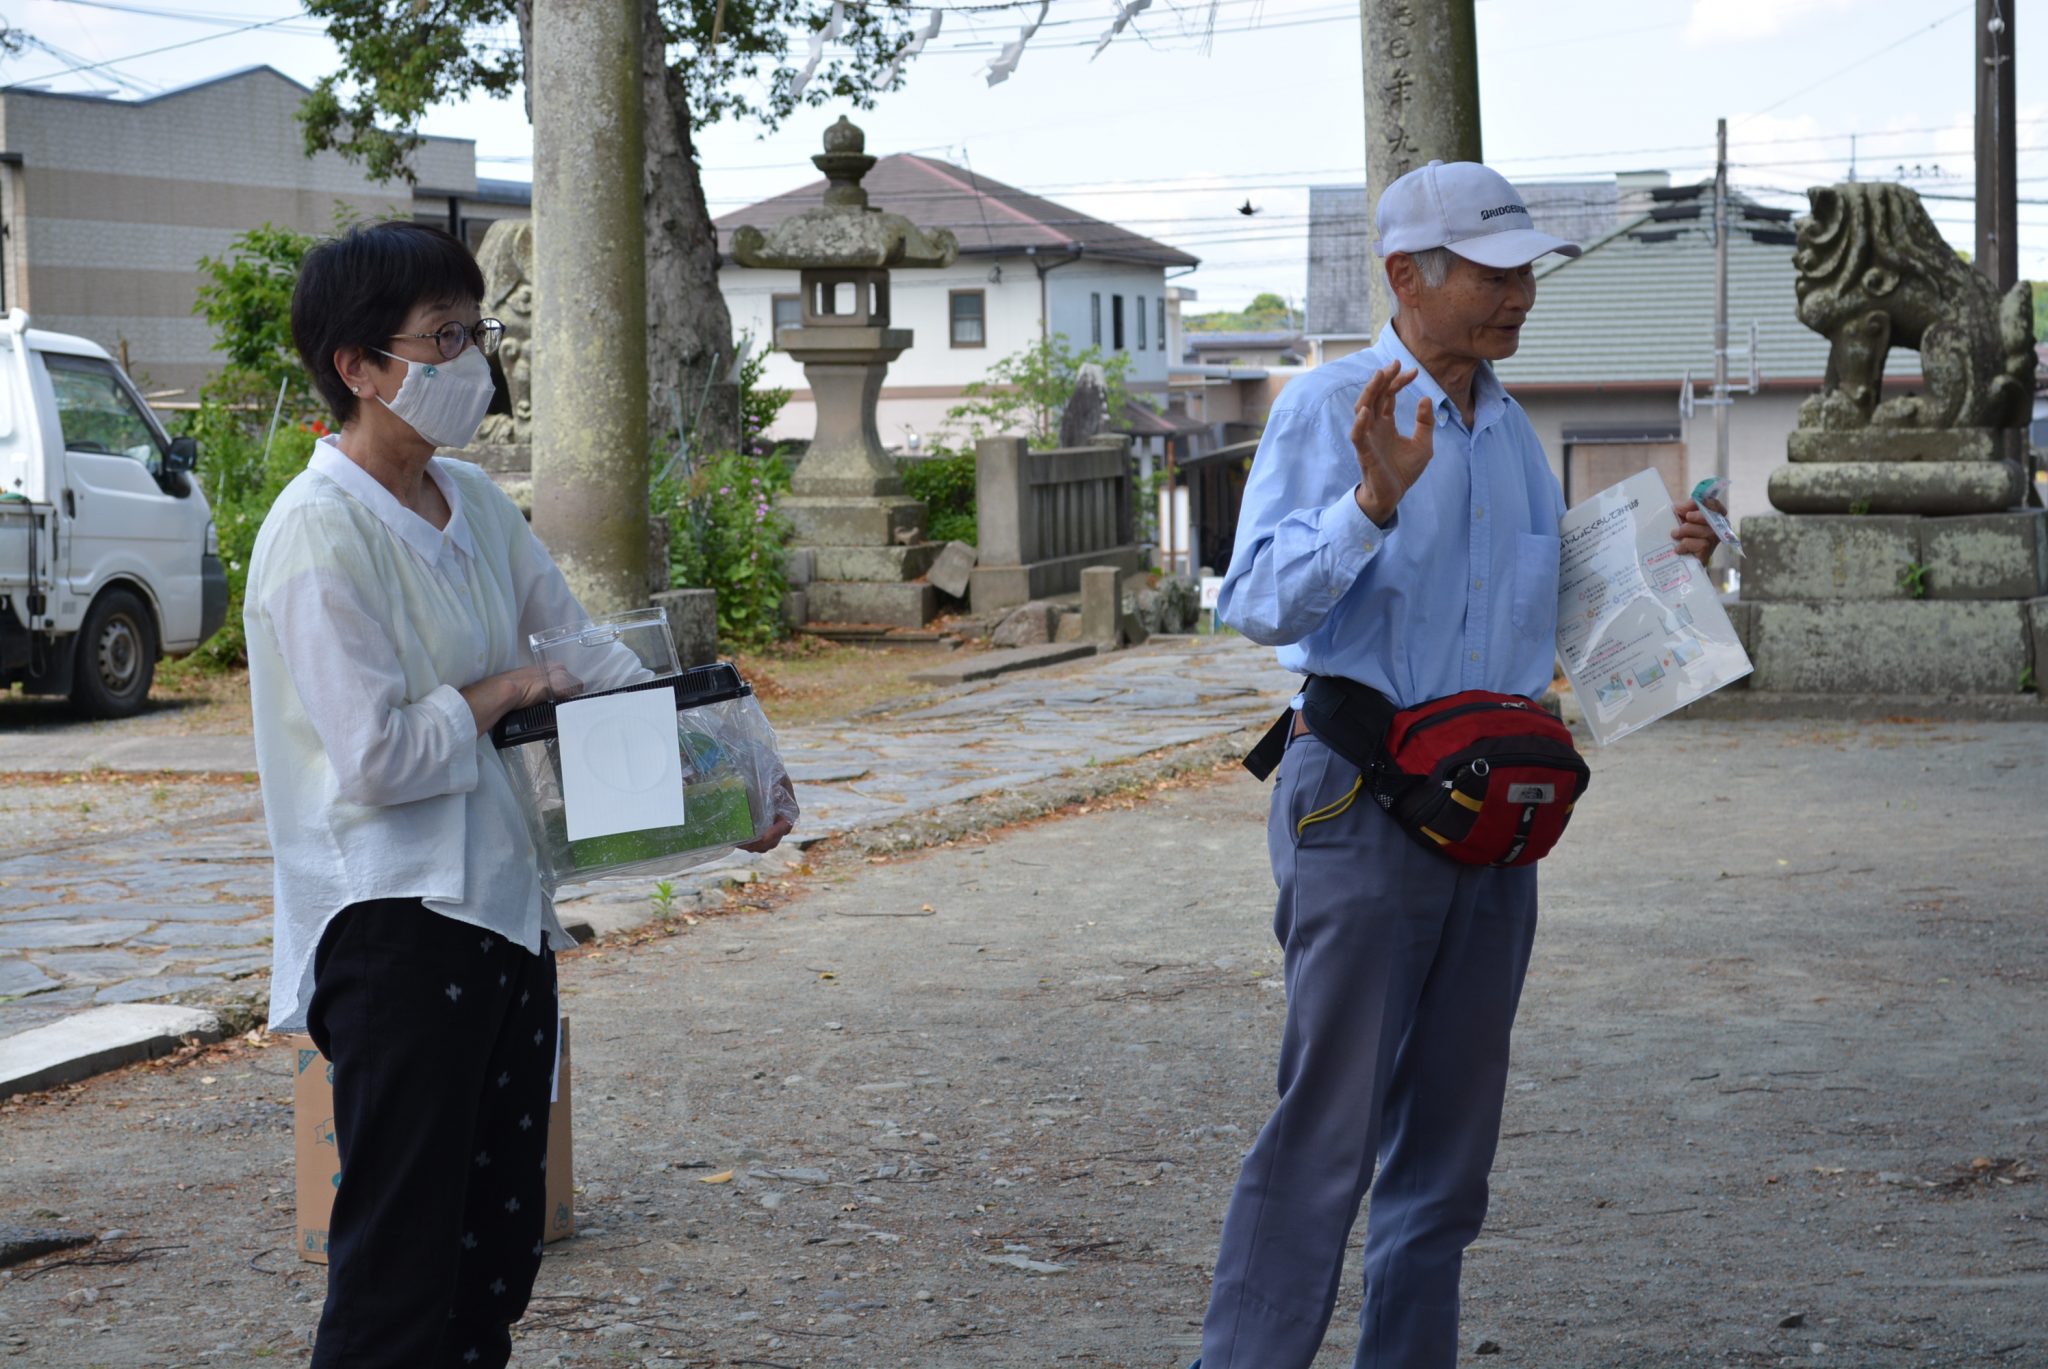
(41, 811)
(1779, 1093)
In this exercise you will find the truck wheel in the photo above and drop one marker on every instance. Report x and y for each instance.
(116, 657)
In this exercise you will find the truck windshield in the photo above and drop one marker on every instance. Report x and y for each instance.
(95, 411)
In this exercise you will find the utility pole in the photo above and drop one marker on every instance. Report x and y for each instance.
(1998, 245)
(1421, 98)
(590, 314)
(1721, 404)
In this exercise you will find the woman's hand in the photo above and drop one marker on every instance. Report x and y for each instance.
(771, 839)
(494, 696)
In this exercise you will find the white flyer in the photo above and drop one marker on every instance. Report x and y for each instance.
(1640, 629)
(622, 765)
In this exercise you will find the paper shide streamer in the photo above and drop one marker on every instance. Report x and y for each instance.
(834, 27)
(916, 45)
(1005, 62)
(1124, 14)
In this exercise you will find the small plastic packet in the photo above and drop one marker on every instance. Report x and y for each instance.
(1711, 495)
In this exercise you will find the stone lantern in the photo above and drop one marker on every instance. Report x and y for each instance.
(847, 501)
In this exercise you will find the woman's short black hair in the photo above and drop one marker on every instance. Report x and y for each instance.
(357, 289)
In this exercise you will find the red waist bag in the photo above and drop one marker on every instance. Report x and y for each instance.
(1487, 779)
(1481, 778)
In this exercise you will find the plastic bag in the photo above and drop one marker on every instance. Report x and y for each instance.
(1711, 495)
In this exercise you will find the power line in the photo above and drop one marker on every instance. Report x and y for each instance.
(1956, 13)
(152, 52)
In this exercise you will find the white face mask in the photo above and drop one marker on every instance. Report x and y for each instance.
(444, 401)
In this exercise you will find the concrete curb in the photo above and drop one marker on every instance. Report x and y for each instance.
(73, 754)
(97, 1040)
(988, 665)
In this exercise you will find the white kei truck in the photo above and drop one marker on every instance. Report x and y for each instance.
(108, 554)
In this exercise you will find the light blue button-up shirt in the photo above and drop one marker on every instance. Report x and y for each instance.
(1458, 592)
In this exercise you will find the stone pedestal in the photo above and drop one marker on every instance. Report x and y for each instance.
(1895, 605)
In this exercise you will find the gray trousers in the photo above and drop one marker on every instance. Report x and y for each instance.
(1403, 971)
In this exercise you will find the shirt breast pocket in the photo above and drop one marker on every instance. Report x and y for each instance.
(1535, 589)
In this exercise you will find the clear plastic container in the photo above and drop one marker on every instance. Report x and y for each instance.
(617, 649)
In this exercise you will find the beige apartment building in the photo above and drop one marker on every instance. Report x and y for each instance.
(107, 206)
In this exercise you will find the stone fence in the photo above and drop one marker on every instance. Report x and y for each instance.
(1042, 517)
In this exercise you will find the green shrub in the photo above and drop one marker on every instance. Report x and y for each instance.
(726, 534)
(945, 482)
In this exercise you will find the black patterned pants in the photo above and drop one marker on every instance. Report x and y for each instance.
(442, 1037)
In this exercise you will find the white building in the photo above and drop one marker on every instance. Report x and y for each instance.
(106, 206)
(1029, 269)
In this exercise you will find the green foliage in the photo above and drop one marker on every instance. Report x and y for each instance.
(760, 405)
(2028, 684)
(1026, 391)
(663, 900)
(1859, 507)
(1913, 580)
(945, 482)
(401, 58)
(246, 295)
(725, 533)
(1267, 313)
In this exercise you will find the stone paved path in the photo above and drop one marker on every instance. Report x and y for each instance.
(157, 913)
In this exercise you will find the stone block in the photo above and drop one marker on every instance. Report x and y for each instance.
(953, 571)
(876, 563)
(1068, 628)
(2037, 638)
(1986, 555)
(693, 622)
(1826, 556)
(800, 566)
(1935, 488)
(1895, 444)
(1028, 625)
(829, 522)
(988, 665)
(1742, 617)
(904, 604)
(86, 1043)
(1101, 603)
(1132, 629)
(1912, 647)
(995, 585)
(796, 609)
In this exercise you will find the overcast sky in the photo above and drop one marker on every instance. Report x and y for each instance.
(1197, 108)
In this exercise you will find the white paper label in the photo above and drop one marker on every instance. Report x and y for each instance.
(621, 763)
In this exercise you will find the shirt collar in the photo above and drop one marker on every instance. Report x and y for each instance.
(1489, 398)
(416, 532)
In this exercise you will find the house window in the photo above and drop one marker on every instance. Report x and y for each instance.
(968, 312)
(788, 312)
(1116, 322)
(1095, 320)
(1162, 323)
(1141, 323)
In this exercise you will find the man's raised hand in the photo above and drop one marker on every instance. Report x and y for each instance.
(1389, 463)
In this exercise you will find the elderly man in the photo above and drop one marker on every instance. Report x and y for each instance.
(1400, 531)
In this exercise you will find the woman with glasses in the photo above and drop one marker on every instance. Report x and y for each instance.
(388, 604)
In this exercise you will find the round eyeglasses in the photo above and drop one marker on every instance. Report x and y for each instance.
(452, 337)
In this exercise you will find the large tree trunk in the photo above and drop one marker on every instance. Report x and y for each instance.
(689, 331)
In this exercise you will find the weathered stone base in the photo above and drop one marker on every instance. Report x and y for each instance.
(1896, 444)
(1922, 647)
(1841, 557)
(903, 604)
(875, 563)
(997, 587)
(882, 521)
(1919, 487)
(693, 622)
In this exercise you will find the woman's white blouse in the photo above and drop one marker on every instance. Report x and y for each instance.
(364, 621)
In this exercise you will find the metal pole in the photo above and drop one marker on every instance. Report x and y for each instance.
(1721, 401)
(1997, 150)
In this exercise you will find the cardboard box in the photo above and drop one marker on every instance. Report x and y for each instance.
(319, 1162)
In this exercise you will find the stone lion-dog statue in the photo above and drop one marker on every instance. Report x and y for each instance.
(1875, 273)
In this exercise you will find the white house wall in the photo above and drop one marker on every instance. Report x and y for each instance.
(928, 378)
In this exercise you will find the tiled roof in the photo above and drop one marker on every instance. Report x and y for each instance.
(1634, 311)
(988, 217)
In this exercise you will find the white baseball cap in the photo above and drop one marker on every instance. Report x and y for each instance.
(1466, 207)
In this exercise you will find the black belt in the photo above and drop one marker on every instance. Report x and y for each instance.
(1346, 716)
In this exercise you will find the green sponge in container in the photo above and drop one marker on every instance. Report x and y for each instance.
(719, 815)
